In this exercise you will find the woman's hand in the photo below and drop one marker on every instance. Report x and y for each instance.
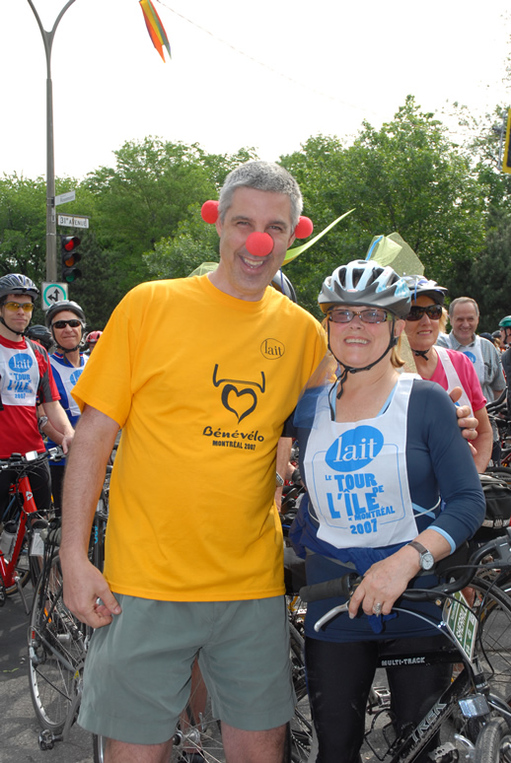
(384, 582)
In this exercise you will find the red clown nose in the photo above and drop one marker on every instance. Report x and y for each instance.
(259, 244)
(209, 211)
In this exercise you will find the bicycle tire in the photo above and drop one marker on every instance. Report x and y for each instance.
(98, 748)
(57, 644)
(493, 608)
(489, 741)
(301, 724)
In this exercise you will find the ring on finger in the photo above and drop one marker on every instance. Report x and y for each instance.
(377, 608)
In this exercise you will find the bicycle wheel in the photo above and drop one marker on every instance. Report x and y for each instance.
(491, 742)
(493, 608)
(301, 723)
(57, 645)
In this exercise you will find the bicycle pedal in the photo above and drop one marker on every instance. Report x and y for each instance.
(381, 695)
(446, 753)
(47, 739)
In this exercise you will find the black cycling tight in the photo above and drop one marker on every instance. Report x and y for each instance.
(339, 679)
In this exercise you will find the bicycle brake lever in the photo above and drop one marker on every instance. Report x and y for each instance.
(330, 614)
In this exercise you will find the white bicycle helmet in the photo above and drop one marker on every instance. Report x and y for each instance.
(420, 286)
(364, 282)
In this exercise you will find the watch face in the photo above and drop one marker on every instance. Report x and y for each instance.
(427, 560)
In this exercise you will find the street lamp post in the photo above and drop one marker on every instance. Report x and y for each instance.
(51, 222)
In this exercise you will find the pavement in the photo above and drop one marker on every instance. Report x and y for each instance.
(19, 728)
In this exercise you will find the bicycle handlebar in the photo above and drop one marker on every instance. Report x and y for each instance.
(344, 586)
(498, 404)
(22, 460)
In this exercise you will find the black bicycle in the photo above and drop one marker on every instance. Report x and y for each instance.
(476, 705)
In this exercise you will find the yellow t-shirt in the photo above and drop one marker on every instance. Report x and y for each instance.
(201, 384)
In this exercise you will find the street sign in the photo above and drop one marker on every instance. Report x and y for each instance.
(63, 198)
(53, 292)
(73, 221)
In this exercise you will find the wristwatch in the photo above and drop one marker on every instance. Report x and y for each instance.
(426, 558)
(279, 480)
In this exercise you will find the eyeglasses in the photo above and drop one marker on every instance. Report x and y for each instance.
(434, 312)
(74, 323)
(27, 307)
(366, 316)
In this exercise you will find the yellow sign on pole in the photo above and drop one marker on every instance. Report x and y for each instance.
(506, 160)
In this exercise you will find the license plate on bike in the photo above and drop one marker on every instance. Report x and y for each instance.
(461, 623)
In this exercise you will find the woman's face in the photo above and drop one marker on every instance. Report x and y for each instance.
(422, 334)
(359, 343)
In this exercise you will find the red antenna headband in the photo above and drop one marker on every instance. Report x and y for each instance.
(259, 244)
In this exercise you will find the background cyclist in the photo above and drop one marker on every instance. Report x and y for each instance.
(66, 321)
(448, 368)
(92, 339)
(376, 450)
(25, 377)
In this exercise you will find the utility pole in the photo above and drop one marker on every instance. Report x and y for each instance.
(51, 221)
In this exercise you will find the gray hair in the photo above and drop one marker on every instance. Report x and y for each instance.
(263, 176)
(463, 301)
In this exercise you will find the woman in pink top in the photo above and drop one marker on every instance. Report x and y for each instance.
(448, 368)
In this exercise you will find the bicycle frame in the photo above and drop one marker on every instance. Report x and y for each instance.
(8, 566)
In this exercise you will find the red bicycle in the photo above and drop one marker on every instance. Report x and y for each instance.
(21, 547)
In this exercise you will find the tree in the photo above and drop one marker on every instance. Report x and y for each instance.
(405, 177)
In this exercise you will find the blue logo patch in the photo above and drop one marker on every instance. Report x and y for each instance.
(470, 356)
(20, 363)
(354, 449)
(75, 376)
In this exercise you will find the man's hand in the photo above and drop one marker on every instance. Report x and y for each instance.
(467, 423)
(87, 594)
(66, 442)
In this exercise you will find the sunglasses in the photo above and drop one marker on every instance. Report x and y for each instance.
(27, 307)
(434, 312)
(366, 316)
(74, 323)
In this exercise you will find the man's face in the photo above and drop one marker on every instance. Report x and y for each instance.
(464, 322)
(17, 320)
(240, 274)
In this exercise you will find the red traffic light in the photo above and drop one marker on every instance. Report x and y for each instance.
(70, 242)
(69, 258)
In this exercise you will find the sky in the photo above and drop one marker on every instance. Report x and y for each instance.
(266, 75)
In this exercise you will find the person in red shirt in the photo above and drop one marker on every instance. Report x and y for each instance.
(25, 379)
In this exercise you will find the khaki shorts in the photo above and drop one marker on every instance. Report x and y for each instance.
(137, 672)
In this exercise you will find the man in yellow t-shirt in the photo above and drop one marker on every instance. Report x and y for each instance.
(200, 374)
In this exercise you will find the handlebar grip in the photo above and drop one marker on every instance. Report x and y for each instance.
(331, 588)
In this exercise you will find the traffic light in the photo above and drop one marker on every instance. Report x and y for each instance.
(506, 160)
(69, 258)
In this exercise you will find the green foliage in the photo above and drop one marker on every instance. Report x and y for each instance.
(22, 226)
(406, 177)
(448, 202)
(177, 256)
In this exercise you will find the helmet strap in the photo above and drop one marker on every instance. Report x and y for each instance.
(341, 379)
(18, 333)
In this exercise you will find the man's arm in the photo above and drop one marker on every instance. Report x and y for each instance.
(85, 473)
(60, 423)
(484, 444)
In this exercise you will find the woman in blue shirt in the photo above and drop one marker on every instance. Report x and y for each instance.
(377, 450)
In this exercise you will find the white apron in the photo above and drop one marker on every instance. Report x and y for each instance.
(453, 380)
(357, 478)
(19, 376)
